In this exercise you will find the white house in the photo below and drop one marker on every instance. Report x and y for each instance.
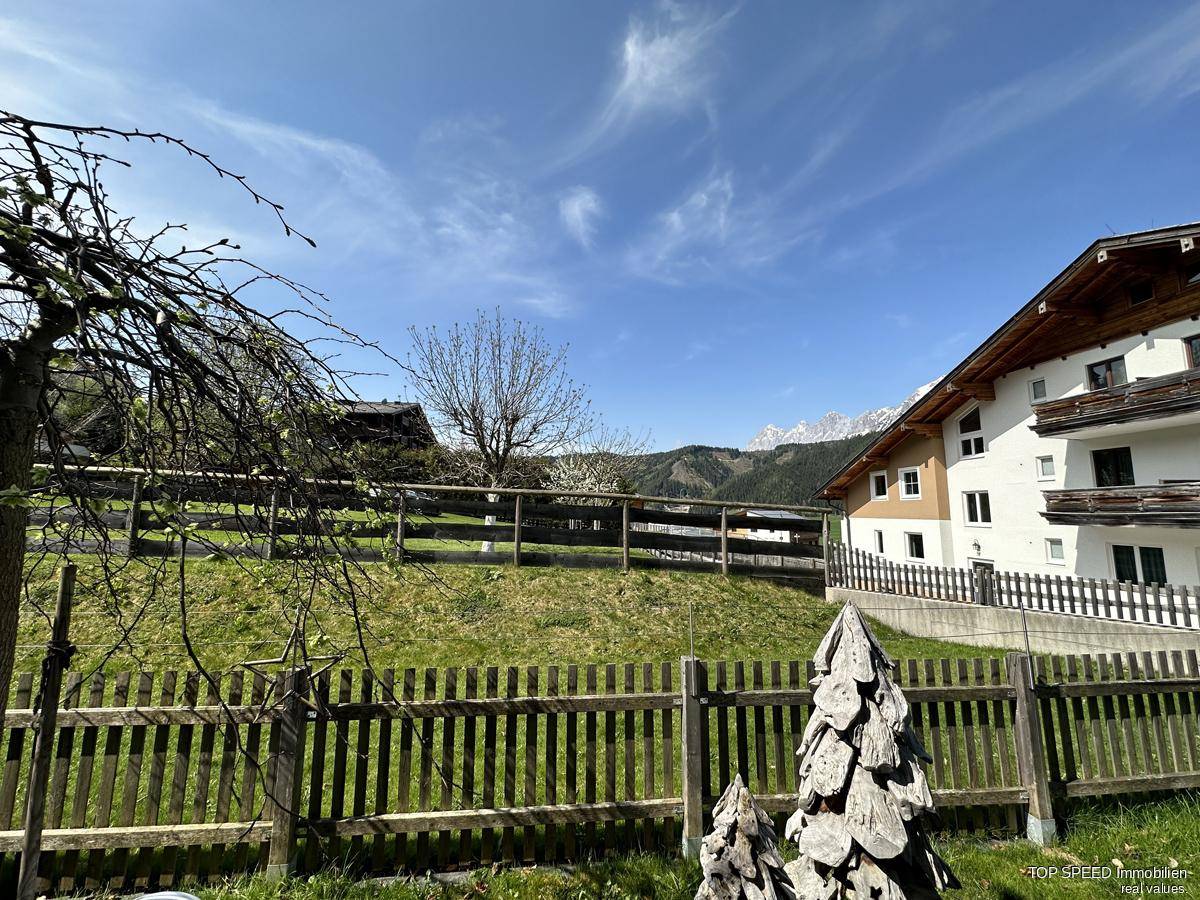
(1068, 442)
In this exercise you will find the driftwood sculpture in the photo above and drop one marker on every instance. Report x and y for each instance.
(862, 791)
(739, 857)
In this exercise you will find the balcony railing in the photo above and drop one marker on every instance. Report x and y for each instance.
(1149, 398)
(1174, 505)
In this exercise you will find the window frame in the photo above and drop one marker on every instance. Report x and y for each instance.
(871, 482)
(1087, 373)
(879, 541)
(981, 523)
(1192, 353)
(1138, 564)
(1189, 276)
(908, 546)
(900, 484)
(1042, 476)
(1045, 392)
(1050, 560)
(1096, 471)
(971, 436)
(1136, 303)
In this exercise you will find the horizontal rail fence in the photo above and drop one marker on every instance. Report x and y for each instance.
(1149, 604)
(438, 523)
(154, 783)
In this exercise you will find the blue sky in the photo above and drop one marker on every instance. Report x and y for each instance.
(734, 214)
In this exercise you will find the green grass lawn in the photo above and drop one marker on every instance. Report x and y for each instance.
(1147, 835)
(444, 615)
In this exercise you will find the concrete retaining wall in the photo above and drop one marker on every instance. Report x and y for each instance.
(997, 626)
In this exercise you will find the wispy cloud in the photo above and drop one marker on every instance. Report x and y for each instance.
(666, 70)
(552, 305)
(580, 208)
(712, 229)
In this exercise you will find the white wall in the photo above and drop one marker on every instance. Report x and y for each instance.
(936, 533)
(1016, 538)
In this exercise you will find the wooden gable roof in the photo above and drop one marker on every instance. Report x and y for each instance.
(1087, 304)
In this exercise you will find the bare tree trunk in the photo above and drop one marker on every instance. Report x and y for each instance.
(490, 546)
(18, 431)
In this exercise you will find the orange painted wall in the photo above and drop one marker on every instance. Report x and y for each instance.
(928, 454)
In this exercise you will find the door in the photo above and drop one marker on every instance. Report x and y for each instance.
(983, 581)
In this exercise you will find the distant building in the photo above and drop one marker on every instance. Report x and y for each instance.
(1067, 443)
(394, 424)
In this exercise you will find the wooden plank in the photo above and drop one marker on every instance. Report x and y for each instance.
(383, 767)
(629, 758)
(228, 769)
(509, 817)
(108, 781)
(740, 729)
(987, 748)
(777, 734)
(610, 758)
(83, 783)
(550, 850)
(1173, 708)
(362, 761)
(487, 838)
(762, 775)
(649, 764)
(200, 799)
(425, 750)
(467, 778)
(1001, 713)
(57, 799)
(571, 762)
(1128, 710)
(723, 775)
(98, 840)
(1134, 784)
(9, 814)
(252, 769)
(529, 791)
(446, 850)
(1154, 702)
(668, 757)
(507, 837)
(313, 846)
(131, 782)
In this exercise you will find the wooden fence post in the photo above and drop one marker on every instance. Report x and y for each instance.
(724, 540)
(288, 769)
(133, 519)
(517, 531)
(272, 522)
(689, 733)
(400, 515)
(625, 536)
(58, 655)
(1031, 752)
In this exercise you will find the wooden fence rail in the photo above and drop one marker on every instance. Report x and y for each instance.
(154, 782)
(431, 523)
(1177, 606)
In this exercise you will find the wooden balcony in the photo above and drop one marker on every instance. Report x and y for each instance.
(1127, 405)
(1172, 505)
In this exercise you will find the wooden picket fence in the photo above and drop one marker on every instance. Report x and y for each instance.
(153, 782)
(1148, 604)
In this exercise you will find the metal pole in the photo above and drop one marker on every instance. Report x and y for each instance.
(58, 655)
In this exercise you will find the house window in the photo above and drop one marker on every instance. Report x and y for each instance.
(879, 485)
(1191, 275)
(910, 484)
(1192, 345)
(1037, 390)
(1107, 373)
(914, 544)
(979, 508)
(1141, 292)
(1045, 468)
(1143, 565)
(970, 434)
(878, 541)
(1114, 467)
(1054, 551)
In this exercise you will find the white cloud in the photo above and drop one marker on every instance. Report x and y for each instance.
(711, 229)
(579, 208)
(552, 305)
(666, 70)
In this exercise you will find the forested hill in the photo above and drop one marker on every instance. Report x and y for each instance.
(790, 473)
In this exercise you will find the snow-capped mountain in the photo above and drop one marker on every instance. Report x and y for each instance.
(834, 425)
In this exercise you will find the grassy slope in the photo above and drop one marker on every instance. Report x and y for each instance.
(461, 615)
(1142, 836)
